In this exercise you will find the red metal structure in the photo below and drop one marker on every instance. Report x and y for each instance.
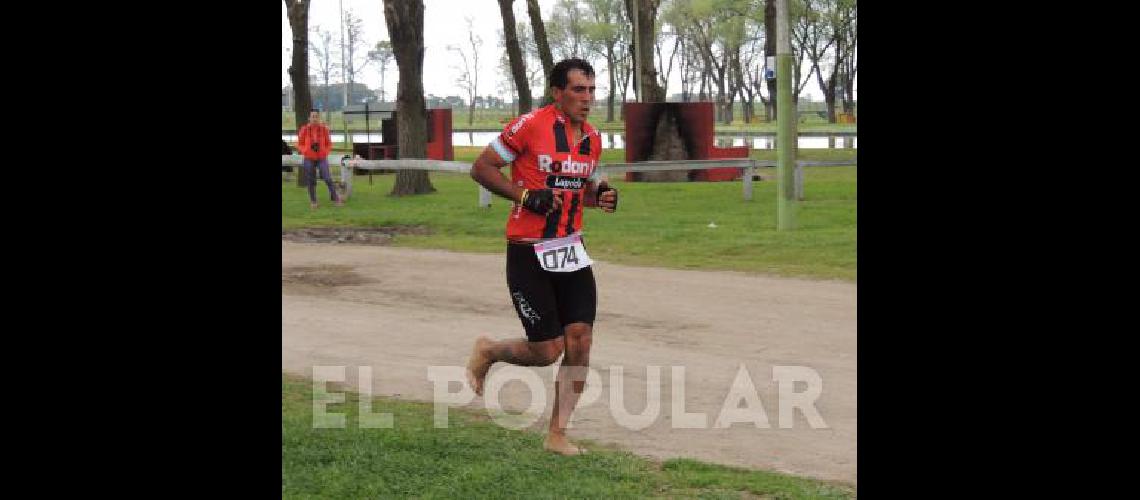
(438, 133)
(695, 125)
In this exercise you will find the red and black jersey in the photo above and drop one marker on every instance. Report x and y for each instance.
(538, 145)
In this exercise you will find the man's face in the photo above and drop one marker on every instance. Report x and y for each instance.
(314, 117)
(575, 99)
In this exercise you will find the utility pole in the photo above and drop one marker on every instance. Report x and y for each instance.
(343, 78)
(785, 124)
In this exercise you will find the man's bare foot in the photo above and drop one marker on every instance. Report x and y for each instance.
(558, 443)
(478, 364)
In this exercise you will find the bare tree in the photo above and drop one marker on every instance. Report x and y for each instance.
(565, 31)
(715, 31)
(668, 17)
(520, 86)
(743, 56)
(405, 20)
(322, 51)
(507, 84)
(299, 67)
(752, 60)
(354, 57)
(469, 73)
(770, 51)
(715, 68)
(606, 29)
(803, 24)
(674, 14)
(663, 70)
(826, 23)
(687, 67)
(689, 63)
(536, 76)
(382, 54)
(538, 29)
(850, 66)
(646, 13)
(625, 74)
(803, 39)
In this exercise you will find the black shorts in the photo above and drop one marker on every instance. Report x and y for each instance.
(545, 301)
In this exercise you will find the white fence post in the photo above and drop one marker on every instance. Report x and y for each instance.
(484, 197)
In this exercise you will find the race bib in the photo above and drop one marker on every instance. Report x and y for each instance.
(562, 255)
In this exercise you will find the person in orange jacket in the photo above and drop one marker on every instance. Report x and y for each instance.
(314, 142)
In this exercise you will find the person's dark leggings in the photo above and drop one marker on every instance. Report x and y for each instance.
(310, 167)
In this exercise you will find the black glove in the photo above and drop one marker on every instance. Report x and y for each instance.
(539, 201)
(604, 187)
(315, 147)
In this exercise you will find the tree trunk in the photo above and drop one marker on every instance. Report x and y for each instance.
(624, 90)
(849, 103)
(514, 53)
(405, 20)
(721, 96)
(828, 88)
(750, 90)
(730, 99)
(770, 51)
(299, 69)
(849, 86)
(539, 30)
(643, 51)
(701, 92)
(746, 103)
(732, 61)
(741, 87)
(631, 71)
(613, 83)
(829, 91)
(669, 69)
(328, 98)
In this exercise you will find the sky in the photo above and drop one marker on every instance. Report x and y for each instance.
(445, 25)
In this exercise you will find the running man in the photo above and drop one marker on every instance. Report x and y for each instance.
(554, 156)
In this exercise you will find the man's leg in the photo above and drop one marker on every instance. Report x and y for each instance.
(516, 352)
(568, 386)
(533, 297)
(311, 180)
(324, 165)
(576, 294)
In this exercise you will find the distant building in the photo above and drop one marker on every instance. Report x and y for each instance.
(359, 93)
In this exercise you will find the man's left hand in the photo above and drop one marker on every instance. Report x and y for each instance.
(607, 197)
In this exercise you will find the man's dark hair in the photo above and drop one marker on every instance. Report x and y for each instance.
(559, 74)
(315, 110)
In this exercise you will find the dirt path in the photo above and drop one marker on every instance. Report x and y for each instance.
(400, 311)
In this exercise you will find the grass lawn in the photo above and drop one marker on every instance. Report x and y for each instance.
(475, 458)
(657, 224)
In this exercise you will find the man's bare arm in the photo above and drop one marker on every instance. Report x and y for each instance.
(487, 171)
